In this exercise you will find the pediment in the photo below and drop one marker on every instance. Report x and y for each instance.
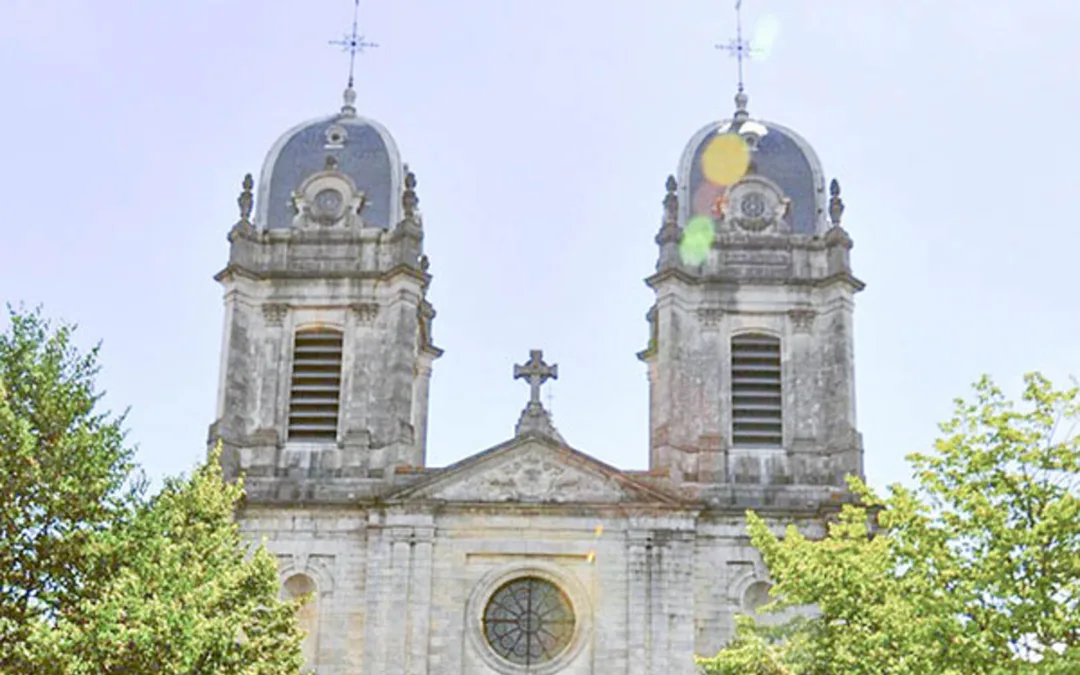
(533, 470)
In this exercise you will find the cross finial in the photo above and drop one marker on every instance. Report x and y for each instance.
(536, 372)
(353, 43)
(740, 49)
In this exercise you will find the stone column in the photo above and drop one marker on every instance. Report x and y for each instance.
(420, 601)
(395, 620)
(802, 399)
(679, 572)
(637, 602)
(657, 556)
(421, 387)
(378, 598)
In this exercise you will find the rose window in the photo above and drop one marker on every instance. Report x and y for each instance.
(528, 621)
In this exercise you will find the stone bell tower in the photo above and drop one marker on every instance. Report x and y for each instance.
(327, 350)
(751, 370)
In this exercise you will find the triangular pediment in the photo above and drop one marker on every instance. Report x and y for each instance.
(533, 469)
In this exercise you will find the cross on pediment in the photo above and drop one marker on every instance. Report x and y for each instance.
(536, 372)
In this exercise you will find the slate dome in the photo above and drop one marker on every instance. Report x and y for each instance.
(779, 154)
(360, 148)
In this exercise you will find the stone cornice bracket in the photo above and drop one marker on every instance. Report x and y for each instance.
(802, 319)
(710, 317)
(365, 311)
(838, 236)
(274, 313)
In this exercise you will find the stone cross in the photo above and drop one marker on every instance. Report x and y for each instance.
(536, 372)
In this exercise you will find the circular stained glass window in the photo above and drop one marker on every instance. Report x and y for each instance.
(528, 621)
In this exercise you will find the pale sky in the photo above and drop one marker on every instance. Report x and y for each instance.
(541, 133)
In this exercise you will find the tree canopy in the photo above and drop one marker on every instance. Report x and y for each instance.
(975, 570)
(97, 577)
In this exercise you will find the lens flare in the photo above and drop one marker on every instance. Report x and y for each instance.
(697, 240)
(725, 159)
(765, 34)
(705, 196)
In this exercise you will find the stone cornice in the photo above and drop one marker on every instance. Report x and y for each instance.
(741, 280)
(237, 269)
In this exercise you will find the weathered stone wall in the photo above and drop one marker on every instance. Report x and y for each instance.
(368, 283)
(797, 288)
(400, 590)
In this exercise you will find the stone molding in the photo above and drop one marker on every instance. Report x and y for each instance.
(365, 312)
(710, 317)
(802, 319)
(274, 313)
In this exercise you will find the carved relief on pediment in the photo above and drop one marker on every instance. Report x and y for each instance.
(531, 478)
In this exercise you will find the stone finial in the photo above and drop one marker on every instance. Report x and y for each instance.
(671, 200)
(246, 200)
(534, 418)
(409, 200)
(348, 109)
(669, 229)
(836, 205)
(741, 99)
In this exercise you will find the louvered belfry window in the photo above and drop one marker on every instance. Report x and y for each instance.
(315, 388)
(756, 403)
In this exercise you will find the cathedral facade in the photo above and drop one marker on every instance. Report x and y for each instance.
(531, 556)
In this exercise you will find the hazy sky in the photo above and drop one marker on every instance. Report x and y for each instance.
(541, 133)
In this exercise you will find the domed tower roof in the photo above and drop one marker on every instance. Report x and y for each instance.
(777, 154)
(358, 147)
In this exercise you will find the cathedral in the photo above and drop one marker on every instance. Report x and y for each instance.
(531, 557)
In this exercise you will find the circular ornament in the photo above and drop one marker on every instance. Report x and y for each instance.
(528, 621)
(753, 205)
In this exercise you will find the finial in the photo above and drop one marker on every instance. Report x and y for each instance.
(534, 418)
(740, 49)
(536, 372)
(353, 43)
(409, 200)
(245, 201)
(348, 108)
(671, 201)
(836, 205)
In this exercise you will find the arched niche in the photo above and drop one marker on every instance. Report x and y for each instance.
(301, 586)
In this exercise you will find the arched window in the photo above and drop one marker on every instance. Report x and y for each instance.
(307, 616)
(756, 596)
(756, 401)
(315, 389)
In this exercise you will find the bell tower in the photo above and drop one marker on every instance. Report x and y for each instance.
(750, 357)
(327, 349)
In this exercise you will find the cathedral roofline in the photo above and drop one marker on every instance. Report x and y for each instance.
(570, 455)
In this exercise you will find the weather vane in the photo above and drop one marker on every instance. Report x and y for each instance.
(353, 42)
(739, 48)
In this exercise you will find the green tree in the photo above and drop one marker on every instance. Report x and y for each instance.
(975, 571)
(64, 473)
(185, 597)
(99, 578)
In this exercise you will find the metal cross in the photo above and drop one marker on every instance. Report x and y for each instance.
(739, 48)
(353, 42)
(536, 372)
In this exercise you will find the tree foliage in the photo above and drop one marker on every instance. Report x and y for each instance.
(974, 571)
(98, 578)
